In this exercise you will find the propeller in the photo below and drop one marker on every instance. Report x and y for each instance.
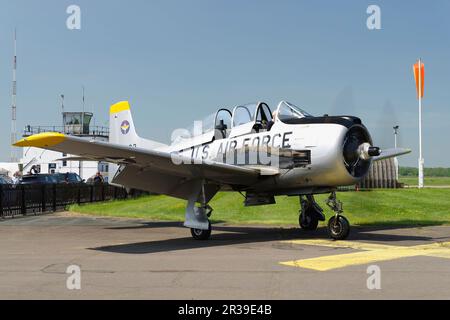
(359, 149)
(344, 103)
(383, 130)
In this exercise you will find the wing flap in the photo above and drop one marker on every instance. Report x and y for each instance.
(161, 183)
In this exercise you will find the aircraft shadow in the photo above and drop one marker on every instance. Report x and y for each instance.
(232, 235)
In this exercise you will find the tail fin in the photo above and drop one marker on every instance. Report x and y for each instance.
(122, 130)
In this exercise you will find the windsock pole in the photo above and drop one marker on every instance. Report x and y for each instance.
(419, 77)
(421, 160)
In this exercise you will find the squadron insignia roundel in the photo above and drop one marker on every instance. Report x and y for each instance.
(125, 127)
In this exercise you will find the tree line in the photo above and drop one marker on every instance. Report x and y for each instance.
(429, 172)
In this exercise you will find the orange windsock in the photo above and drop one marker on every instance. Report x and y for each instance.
(422, 78)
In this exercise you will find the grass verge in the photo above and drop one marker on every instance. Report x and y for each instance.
(378, 207)
(428, 181)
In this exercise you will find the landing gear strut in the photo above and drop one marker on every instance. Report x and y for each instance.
(197, 217)
(201, 234)
(310, 213)
(338, 225)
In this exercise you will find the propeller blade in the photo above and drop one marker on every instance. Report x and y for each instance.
(391, 153)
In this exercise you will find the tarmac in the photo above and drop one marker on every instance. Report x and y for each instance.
(136, 259)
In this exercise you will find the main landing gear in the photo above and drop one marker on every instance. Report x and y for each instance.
(203, 234)
(311, 213)
(197, 217)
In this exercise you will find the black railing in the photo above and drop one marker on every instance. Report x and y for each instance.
(33, 199)
(96, 131)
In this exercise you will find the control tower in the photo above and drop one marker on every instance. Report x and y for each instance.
(74, 123)
(45, 161)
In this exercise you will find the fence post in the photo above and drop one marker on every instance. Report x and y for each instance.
(91, 187)
(79, 194)
(1, 200)
(43, 203)
(103, 192)
(23, 205)
(54, 197)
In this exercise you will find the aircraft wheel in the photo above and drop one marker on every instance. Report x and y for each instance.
(340, 229)
(199, 234)
(309, 223)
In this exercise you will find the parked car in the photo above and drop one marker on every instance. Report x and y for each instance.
(70, 177)
(39, 179)
(5, 180)
(57, 178)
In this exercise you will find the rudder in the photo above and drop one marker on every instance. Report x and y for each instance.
(122, 130)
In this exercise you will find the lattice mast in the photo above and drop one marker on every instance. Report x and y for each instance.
(13, 157)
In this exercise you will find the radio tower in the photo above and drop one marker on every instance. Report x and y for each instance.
(13, 103)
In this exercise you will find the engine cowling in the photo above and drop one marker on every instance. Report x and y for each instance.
(358, 151)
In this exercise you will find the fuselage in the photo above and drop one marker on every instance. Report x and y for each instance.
(319, 144)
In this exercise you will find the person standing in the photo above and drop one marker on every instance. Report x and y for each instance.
(98, 179)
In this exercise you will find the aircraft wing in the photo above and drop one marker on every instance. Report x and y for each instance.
(155, 161)
(391, 153)
(74, 159)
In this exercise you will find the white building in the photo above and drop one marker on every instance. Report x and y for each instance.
(45, 161)
(9, 168)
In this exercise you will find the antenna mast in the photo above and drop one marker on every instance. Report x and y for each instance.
(14, 103)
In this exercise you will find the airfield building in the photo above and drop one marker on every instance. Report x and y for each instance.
(45, 161)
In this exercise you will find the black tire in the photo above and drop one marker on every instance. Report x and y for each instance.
(199, 234)
(310, 223)
(340, 230)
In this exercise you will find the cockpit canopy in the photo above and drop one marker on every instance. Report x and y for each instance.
(243, 120)
(288, 111)
(246, 113)
(260, 113)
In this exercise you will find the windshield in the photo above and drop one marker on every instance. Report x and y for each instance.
(68, 177)
(288, 111)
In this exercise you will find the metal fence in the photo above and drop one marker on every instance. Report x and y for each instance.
(18, 200)
(68, 129)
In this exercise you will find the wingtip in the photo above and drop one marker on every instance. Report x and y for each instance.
(41, 140)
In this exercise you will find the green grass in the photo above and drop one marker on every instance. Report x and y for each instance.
(381, 207)
(429, 181)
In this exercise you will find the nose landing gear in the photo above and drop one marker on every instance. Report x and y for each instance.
(338, 226)
(311, 213)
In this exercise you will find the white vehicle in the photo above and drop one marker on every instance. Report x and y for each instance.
(249, 150)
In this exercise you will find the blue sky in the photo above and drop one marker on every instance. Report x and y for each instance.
(177, 61)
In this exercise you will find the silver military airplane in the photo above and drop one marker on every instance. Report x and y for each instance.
(249, 150)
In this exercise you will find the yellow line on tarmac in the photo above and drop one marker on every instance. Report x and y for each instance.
(373, 253)
(341, 244)
(442, 254)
